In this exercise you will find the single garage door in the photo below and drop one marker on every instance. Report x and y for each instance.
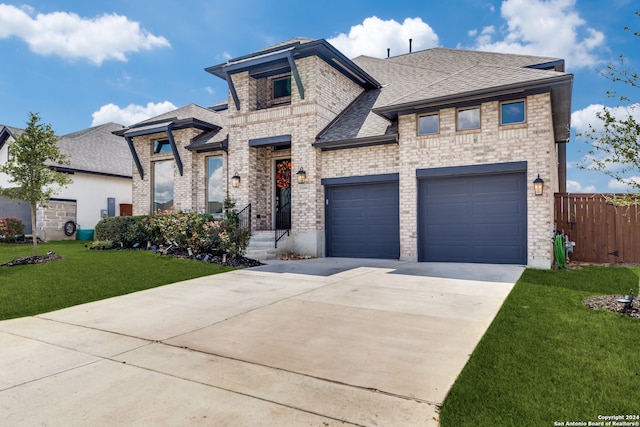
(362, 219)
(473, 218)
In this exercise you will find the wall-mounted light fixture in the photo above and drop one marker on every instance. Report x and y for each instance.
(302, 176)
(235, 180)
(538, 186)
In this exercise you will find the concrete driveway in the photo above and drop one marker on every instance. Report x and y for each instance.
(321, 342)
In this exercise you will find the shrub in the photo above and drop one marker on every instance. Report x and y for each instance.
(113, 228)
(182, 230)
(11, 229)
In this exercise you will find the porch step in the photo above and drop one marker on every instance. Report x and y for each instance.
(262, 246)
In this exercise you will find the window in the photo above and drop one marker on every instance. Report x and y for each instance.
(428, 124)
(281, 88)
(161, 146)
(512, 112)
(162, 186)
(469, 118)
(214, 185)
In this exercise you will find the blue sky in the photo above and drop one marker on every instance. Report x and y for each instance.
(80, 64)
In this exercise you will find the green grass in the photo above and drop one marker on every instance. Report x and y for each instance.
(84, 275)
(546, 357)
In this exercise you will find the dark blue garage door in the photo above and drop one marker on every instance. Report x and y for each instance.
(477, 218)
(363, 220)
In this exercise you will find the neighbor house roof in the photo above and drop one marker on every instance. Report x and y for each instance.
(438, 78)
(95, 150)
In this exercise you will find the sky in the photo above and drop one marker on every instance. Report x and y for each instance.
(84, 63)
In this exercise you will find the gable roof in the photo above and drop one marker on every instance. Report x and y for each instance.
(438, 78)
(96, 150)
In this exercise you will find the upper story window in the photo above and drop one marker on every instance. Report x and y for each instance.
(512, 112)
(161, 146)
(468, 118)
(281, 88)
(273, 91)
(429, 124)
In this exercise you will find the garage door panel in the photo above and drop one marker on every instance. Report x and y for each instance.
(486, 223)
(363, 220)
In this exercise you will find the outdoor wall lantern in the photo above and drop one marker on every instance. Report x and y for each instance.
(538, 186)
(302, 176)
(235, 180)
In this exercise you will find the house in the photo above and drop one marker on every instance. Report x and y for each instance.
(427, 156)
(100, 167)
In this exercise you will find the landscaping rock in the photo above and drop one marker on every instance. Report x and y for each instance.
(40, 259)
(610, 302)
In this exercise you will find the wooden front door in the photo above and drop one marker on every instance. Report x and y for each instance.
(283, 194)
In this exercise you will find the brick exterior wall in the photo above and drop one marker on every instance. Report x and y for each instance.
(532, 142)
(328, 93)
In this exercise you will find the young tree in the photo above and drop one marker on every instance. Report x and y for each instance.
(27, 168)
(615, 142)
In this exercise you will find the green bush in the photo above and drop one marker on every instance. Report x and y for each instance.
(113, 228)
(11, 229)
(182, 230)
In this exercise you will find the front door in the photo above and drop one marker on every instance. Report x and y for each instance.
(283, 194)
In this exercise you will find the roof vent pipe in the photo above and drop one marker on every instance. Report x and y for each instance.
(388, 52)
(410, 40)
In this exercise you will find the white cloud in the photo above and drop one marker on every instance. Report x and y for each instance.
(131, 113)
(374, 36)
(545, 27)
(105, 37)
(576, 187)
(624, 186)
(581, 119)
(209, 90)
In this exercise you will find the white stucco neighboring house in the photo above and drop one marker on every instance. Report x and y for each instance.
(100, 167)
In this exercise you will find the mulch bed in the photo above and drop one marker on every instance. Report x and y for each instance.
(40, 259)
(610, 302)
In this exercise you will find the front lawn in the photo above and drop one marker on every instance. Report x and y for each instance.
(85, 275)
(546, 358)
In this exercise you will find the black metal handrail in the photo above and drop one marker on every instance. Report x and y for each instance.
(283, 218)
(244, 217)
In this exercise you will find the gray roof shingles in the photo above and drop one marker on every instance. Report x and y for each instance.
(97, 150)
(94, 150)
(432, 74)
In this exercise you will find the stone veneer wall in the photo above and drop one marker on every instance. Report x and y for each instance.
(50, 220)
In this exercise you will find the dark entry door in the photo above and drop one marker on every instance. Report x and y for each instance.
(283, 194)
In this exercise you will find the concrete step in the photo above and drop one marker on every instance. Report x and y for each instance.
(261, 254)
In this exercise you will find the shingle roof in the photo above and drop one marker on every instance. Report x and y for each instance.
(188, 112)
(429, 76)
(97, 150)
(93, 150)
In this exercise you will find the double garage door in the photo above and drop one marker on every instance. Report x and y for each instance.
(477, 218)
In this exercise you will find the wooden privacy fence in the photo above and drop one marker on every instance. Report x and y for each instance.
(602, 231)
